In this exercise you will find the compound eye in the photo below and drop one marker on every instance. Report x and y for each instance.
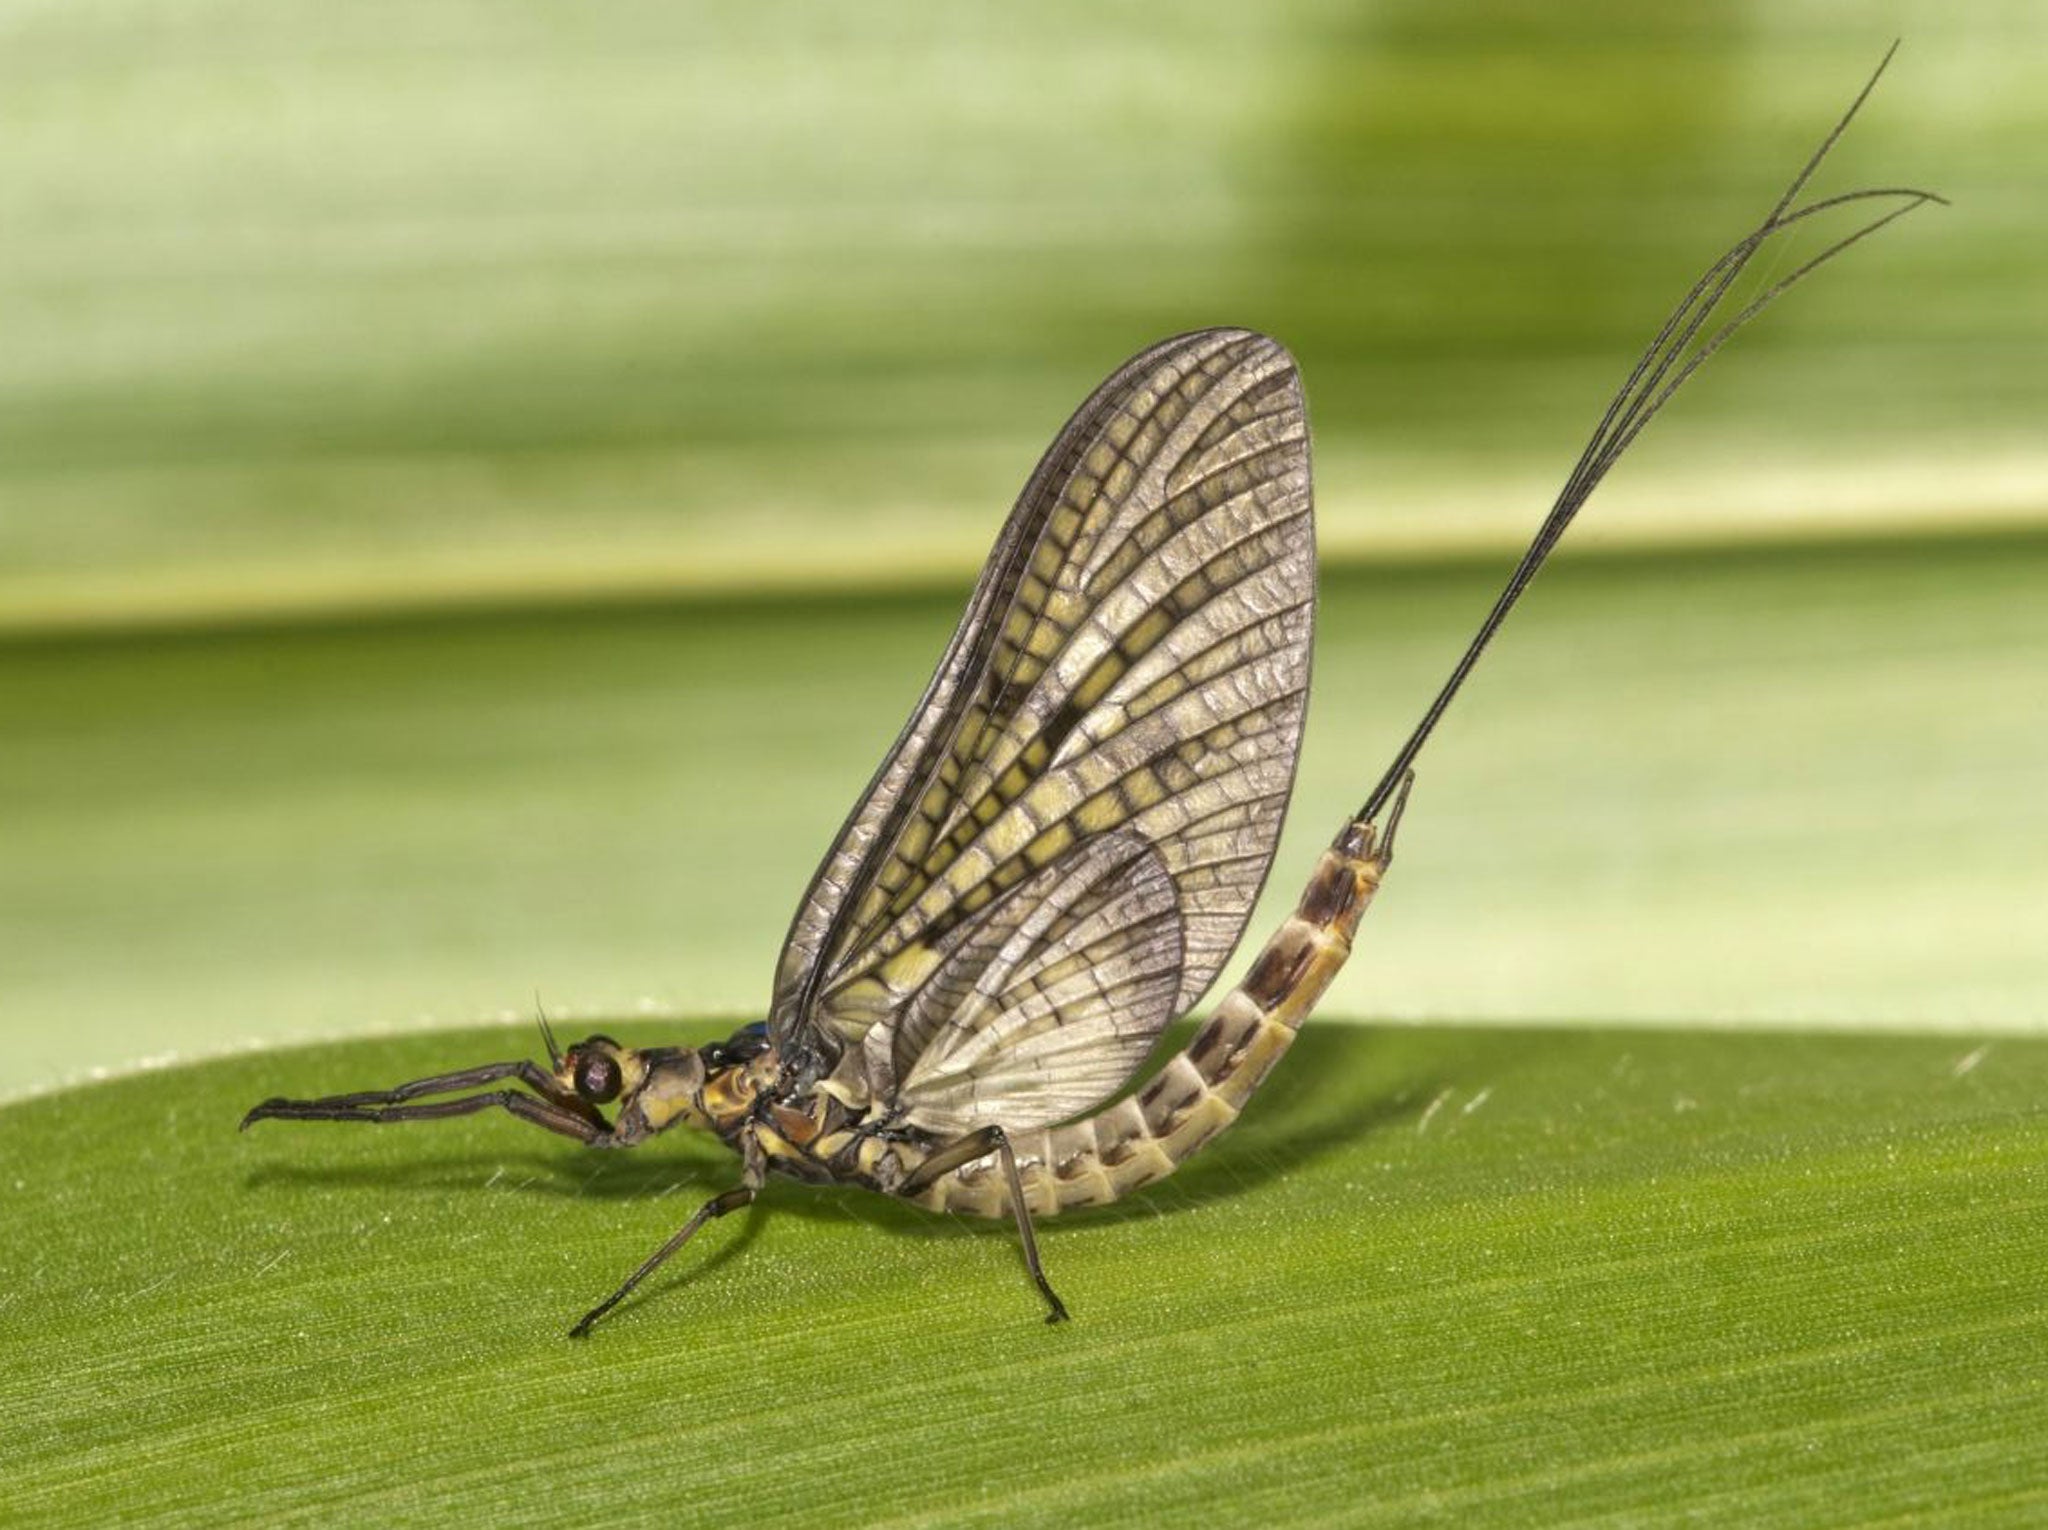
(597, 1078)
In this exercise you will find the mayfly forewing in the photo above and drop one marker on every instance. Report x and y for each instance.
(956, 707)
(1134, 660)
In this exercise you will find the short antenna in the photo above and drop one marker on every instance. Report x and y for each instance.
(1663, 368)
(547, 1034)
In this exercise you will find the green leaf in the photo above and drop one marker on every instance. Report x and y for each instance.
(1481, 1277)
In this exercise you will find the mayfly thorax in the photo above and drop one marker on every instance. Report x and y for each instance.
(1064, 844)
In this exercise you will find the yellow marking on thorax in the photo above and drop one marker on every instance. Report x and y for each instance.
(663, 1101)
(729, 1095)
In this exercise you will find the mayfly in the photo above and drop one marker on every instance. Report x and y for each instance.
(1065, 843)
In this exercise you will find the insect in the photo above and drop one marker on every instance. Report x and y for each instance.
(1064, 844)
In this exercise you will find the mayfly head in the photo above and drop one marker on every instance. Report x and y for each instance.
(648, 1089)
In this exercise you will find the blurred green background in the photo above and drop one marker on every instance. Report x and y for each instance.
(480, 484)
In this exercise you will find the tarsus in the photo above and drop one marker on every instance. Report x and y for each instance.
(1659, 372)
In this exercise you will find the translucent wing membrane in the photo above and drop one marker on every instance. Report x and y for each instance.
(1047, 1002)
(1126, 690)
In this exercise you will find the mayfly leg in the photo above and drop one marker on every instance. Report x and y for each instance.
(738, 1197)
(555, 1109)
(965, 1150)
(732, 1200)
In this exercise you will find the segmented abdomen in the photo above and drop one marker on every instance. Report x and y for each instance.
(1147, 1135)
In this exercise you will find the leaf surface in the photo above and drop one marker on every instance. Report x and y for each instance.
(1477, 1276)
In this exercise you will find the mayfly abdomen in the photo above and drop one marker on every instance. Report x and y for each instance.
(1147, 1135)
